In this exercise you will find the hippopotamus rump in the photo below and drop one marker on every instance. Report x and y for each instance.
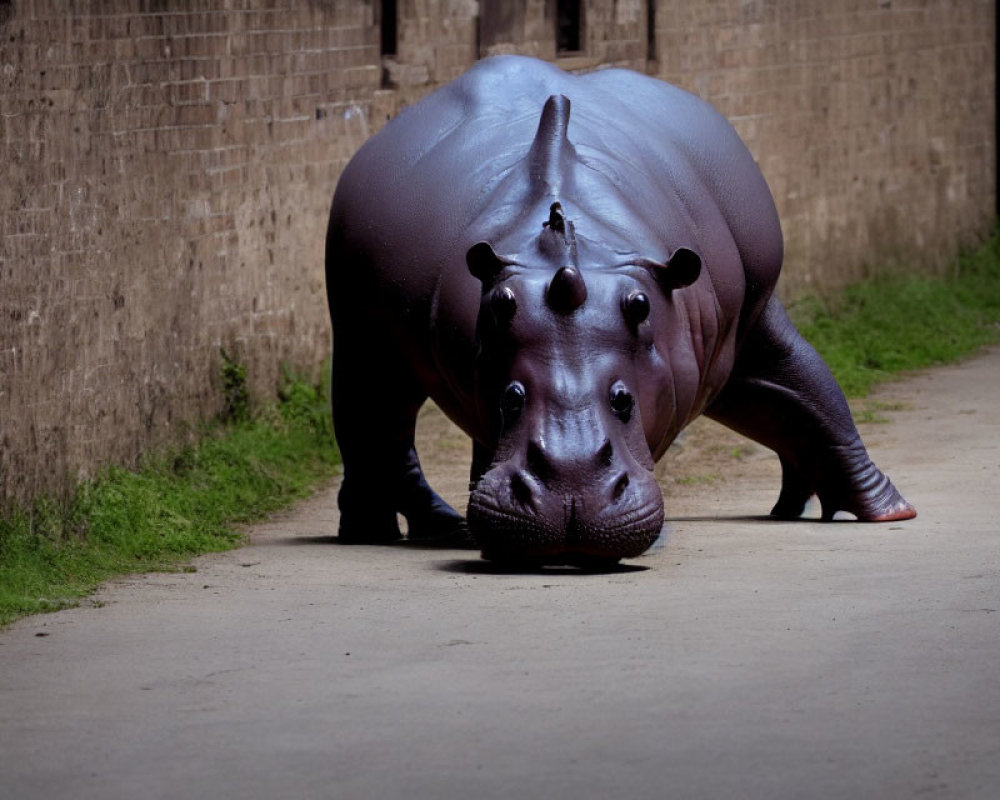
(573, 268)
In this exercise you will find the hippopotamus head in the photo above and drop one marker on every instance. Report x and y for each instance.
(570, 382)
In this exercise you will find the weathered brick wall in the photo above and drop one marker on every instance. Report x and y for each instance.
(611, 32)
(871, 119)
(436, 42)
(167, 172)
(615, 33)
(526, 27)
(168, 167)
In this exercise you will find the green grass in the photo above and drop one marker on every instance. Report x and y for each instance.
(176, 505)
(881, 328)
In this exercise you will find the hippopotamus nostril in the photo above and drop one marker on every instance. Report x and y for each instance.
(620, 486)
(521, 490)
(605, 455)
(538, 462)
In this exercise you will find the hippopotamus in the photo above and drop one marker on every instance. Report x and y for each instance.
(573, 267)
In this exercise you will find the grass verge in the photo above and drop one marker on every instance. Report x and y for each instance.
(881, 328)
(176, 505)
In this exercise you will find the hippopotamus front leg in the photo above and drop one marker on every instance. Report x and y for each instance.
(375, 405)
(781, 393)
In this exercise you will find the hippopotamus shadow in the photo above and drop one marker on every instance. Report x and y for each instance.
(526, 566)
(593, 567)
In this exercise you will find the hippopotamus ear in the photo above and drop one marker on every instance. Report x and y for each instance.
(484, 263)
(682, 269)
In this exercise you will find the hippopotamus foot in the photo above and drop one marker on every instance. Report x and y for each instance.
(436, 522)
(365, 516)
(365, 528)
(853, 485)
(782, 394)
(375, 431)
(442, 527)
(369, 517)
(369, 520)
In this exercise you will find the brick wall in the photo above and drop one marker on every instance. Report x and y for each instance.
(168, 167)
(167, 176)
(871, 119)
(436, 42)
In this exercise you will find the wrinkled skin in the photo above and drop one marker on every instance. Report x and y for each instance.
(572, 277)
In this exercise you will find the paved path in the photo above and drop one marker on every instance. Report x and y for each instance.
(745, 659)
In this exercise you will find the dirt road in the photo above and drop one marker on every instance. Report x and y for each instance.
(746, 658)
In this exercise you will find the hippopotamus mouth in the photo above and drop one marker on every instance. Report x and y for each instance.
(558, 528)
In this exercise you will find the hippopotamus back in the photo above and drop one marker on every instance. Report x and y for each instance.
(642, 168)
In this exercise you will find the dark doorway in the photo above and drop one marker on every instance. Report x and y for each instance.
(568, 23)
(387, 27)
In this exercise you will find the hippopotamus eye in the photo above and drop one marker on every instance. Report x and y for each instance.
(512, 403)
(635, 307)
(504, 305)
(622, 402)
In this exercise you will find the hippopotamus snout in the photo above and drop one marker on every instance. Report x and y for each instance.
(550, 504)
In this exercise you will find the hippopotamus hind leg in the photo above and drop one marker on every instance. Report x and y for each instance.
(375, 409)
(782, 394)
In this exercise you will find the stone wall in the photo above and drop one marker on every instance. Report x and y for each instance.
(168, 167)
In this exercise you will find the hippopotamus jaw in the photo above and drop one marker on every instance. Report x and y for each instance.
(506, 534)
(514, 518)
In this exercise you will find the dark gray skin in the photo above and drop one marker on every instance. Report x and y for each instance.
(573, 268)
